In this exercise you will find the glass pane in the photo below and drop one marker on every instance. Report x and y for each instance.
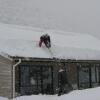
(36, 79)
(47, 80)
(84, 77)
(93, 71)
(24, 76)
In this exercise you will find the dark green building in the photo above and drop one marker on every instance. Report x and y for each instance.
(26, 76)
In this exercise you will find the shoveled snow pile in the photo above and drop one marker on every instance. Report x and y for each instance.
(23, 42)
(88, 94)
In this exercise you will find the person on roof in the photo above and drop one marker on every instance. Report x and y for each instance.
(46, 40)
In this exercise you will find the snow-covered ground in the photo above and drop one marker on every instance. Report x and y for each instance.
(23, 41)
(2, 98)
(88, 94)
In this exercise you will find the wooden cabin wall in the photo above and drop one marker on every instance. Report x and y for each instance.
(5, 77)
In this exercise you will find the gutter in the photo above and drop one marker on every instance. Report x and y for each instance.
(14, 66)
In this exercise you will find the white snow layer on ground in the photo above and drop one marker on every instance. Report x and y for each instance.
(2, 98)
(23, 42)
(88, 94)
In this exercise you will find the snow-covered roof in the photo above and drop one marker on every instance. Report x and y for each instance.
(23, 42)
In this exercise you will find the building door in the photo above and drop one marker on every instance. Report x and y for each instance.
(36, 79)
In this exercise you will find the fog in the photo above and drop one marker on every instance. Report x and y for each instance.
(82, 16)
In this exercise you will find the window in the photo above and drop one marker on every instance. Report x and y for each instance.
(36, 79)
(88, 75)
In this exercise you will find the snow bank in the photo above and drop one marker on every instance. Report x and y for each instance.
(88, 94)
(23, 42)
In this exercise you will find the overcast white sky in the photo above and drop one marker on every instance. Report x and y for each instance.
(81, 16)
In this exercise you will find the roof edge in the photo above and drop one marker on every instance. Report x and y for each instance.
(55, 60)
(5, 55)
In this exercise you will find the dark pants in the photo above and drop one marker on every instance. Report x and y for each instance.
(47, 43)
(61, 89)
